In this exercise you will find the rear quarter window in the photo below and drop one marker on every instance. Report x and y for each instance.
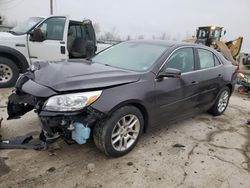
(207, 59)
(216, 61)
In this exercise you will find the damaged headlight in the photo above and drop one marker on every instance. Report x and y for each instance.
(71, 102)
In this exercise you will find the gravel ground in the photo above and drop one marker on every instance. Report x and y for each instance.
(211, 152)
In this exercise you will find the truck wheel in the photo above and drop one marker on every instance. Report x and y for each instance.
(118, 135)
(221, 102)
(9, 72)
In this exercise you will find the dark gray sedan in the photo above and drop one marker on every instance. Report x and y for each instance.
(123, 91)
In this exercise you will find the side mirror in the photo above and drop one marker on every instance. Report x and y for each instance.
(170, 73)
(37, 35)
(224, 32)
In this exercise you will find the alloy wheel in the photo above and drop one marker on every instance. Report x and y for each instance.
(224, 97)
(125, 132)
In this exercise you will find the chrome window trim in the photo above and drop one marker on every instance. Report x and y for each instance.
(200, 70)
(194, 47)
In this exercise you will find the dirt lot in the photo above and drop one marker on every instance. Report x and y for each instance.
(216, 153)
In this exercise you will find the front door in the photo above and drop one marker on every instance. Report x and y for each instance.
(177, 97)
(53, 47)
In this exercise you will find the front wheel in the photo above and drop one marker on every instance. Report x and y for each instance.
(9, 72)
(119, 134)
(221, 102)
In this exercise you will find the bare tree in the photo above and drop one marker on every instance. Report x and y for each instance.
(97, 28)
(168, 37)
(163, 36)
(2, 18)
(4, 21)
(140, 37)
(128, 37)
(110, 35)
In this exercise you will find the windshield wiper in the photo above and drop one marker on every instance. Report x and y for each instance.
(10, 31)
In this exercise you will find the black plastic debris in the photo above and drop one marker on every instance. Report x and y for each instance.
(178, 146)
(248, 122)
(23, 142)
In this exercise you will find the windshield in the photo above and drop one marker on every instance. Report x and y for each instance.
(135, 56)
(202, 33)
(24, 27)
(216, 34)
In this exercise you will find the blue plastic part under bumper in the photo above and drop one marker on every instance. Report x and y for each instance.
(80, 133)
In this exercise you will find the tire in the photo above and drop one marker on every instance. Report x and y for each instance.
(221, 102)
(115, 127)
(9, 72)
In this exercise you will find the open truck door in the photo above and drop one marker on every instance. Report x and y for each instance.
(81, 41)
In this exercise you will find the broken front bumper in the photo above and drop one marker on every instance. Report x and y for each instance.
(60, 123)
(63, 122)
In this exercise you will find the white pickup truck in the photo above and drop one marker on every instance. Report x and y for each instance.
(43, 38)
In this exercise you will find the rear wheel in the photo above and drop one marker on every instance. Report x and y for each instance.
(9, 72)
(221, 102)
(119, 134)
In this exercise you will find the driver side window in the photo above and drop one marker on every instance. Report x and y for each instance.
(53, 28)
(182, 59)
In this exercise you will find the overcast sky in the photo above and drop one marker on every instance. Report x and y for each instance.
(145, 17)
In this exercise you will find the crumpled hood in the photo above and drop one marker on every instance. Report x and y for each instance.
(80, 75)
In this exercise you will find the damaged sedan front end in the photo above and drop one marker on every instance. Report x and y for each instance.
(67, 115)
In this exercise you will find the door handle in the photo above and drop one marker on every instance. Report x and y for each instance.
(194, 82)
(220, 75)
(63, 50)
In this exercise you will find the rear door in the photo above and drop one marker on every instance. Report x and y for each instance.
(55, 31)
(177, 97)
(210, 77)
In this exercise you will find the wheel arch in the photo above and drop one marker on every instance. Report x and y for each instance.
(14, 55)
(231, 87)
(138, 104)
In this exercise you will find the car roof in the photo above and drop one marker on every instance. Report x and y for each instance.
(168, 43)
(155, 42)
(175, 44)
